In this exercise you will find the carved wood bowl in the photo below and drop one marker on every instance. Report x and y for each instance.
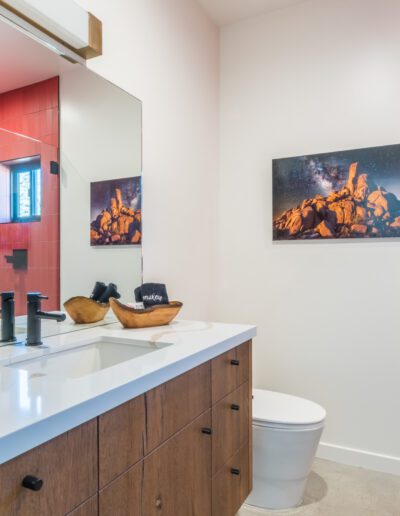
(83, 310)
(158, 315)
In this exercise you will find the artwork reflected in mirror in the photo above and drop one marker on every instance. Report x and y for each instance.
(101, 140)
(116, 212)
(348, 194)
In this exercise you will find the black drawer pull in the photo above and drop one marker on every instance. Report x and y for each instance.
(32, 483)
(207, 431)
(235, 407)
(235, 471)
(235, 362)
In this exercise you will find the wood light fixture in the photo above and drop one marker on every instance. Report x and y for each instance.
(64, 22)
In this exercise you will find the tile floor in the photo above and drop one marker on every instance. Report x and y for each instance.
(337, 490)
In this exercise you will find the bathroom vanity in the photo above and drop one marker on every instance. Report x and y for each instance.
(88, 428)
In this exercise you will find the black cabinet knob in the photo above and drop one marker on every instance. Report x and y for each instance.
(235, 407)
(32, 483)
(235, 362)
(235, 471)
(207, 431)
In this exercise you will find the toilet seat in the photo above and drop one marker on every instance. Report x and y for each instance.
(291, 428)
(283, 411)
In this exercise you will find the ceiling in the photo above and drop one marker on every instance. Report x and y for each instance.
(224, 12)
(24, 61)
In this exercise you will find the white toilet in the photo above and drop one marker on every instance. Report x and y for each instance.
(286, 433)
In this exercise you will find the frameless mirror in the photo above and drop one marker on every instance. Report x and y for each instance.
(70, 179)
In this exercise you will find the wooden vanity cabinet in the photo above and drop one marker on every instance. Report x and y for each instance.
(68, 468)
(181, 449)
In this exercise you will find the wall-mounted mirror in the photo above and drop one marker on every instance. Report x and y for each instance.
(70, 186)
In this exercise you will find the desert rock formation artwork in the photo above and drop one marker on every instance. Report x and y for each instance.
(116, 212)
(350, 203)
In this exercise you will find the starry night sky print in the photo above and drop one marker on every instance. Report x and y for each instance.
(303, 177)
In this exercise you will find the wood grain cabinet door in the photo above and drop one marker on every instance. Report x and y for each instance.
(121, 439)
(177, 476)
(88, 508)
(68, 468)
(231, 485)
(123, 497)
(230, 370)
(176, 403)
(230, 422)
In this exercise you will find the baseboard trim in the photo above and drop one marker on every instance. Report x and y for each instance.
(359, 458)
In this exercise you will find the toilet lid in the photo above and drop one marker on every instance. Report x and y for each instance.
(276, 407)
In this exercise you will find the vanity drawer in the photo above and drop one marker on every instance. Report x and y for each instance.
(67, 465)
(121, 438)
(176, 403)
(230, 370)
(230, 423)
(231, 485)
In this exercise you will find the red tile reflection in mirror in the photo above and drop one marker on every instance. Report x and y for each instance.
(29, 127)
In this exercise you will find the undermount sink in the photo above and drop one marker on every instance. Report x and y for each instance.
(102, 353)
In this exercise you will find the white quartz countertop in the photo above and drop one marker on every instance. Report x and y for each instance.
(36, 408)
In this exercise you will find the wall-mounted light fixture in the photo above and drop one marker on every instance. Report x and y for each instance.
(63, 20)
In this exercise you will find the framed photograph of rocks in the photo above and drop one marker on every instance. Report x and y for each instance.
(348, 194)
(116, 212)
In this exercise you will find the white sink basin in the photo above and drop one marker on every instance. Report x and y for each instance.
(102, 353)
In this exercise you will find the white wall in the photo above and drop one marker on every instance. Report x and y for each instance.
(165, 52)
(100, 135)
(316, 77)
(320, 76)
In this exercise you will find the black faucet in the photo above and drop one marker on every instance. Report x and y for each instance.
(35, 316)
(7, 318)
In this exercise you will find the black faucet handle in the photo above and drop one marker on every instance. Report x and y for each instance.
(7, 296)
(35, 316)
(7, 317)
(35, 296)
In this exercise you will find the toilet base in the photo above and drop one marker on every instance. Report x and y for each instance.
(282, 460)
(277, 496)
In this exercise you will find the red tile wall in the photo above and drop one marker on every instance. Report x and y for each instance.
(33, 111)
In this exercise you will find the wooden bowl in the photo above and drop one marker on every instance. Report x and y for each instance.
(83, 310)
(158, 315)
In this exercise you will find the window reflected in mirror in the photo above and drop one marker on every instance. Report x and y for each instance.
(21, 186)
